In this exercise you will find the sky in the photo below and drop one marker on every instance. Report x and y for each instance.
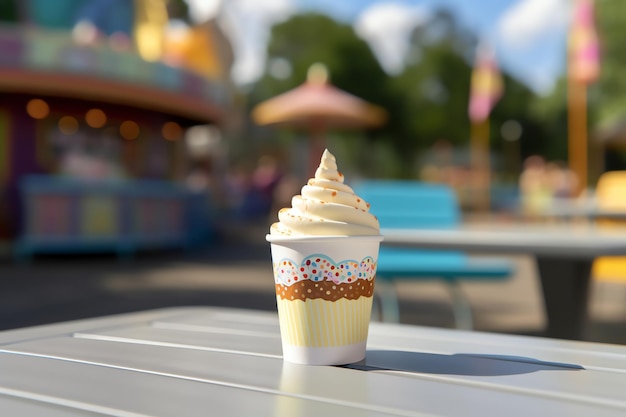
(529, 36)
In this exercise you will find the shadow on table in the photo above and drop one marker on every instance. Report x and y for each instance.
(456, 364)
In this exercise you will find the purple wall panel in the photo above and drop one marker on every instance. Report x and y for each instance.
(23, 162)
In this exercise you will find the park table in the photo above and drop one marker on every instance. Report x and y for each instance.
(199, 361)
(564, 255)
(590, 210)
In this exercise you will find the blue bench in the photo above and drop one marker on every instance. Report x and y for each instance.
(418, 205)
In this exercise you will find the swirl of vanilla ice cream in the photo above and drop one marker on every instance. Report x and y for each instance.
(326, 207)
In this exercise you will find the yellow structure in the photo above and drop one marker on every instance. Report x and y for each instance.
(201, 48)
(611, 195)
(150, 21)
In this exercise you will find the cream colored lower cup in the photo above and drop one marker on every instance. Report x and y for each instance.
(317, 331)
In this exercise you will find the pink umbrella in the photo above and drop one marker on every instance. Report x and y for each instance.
(318, 106)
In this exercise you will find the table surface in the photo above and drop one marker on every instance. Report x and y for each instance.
(210, 361)
(583, 208)
(566, 241)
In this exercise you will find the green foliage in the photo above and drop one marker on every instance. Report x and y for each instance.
(608, 97)
(549, 114)
(309, 38)
(178, 9)
(606, 102)
(9, 11)
(306, 39)
(427, 102)
(436, 91)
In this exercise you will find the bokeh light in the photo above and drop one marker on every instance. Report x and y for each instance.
(37, 108)
(511, 130)
(95, 118)
(129, 130)
(68, 125)
(172, 131)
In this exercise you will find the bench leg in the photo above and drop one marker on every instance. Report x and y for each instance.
(389, 306)
(461, 308)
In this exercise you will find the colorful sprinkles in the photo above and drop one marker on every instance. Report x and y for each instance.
(320, 268)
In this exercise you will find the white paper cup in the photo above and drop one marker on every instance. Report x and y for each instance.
(324, 287)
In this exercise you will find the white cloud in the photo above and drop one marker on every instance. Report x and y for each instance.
(202, 10)
(248, 23)
(528, 21)
(530, 37)
(386, 27)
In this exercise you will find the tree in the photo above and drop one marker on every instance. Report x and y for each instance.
(550, 114)
(436, 88)
(606, 109)
(605, 97)
(308, 38)
(9, 11)
(178, 9)
(427, 102)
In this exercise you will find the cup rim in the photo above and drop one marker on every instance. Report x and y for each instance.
(278, 239)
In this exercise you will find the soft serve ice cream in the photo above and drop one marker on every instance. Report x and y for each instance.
(324, 253)
(326, 207)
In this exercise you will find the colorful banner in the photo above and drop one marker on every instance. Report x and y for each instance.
(584, 59)
(486, 85)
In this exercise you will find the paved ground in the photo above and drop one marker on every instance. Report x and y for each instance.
(238, 273)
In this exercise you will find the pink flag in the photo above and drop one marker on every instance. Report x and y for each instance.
(486, 85)
(583, 43)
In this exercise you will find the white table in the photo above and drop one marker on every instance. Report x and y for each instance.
(587, 209)
(564, 257)
(205, 361)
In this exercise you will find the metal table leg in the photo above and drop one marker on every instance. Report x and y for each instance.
(565, 284)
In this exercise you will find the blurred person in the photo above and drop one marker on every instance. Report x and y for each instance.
(535, 188)
(431, 173)
(237, 186)
(563, 181)
(200, 178)
(461, 180)
(439, 168)
(89, 157)
(265, 179)
(266, 175)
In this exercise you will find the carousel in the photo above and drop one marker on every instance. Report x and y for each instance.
(92, 139)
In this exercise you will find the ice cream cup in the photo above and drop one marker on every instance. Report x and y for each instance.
(324, 290)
